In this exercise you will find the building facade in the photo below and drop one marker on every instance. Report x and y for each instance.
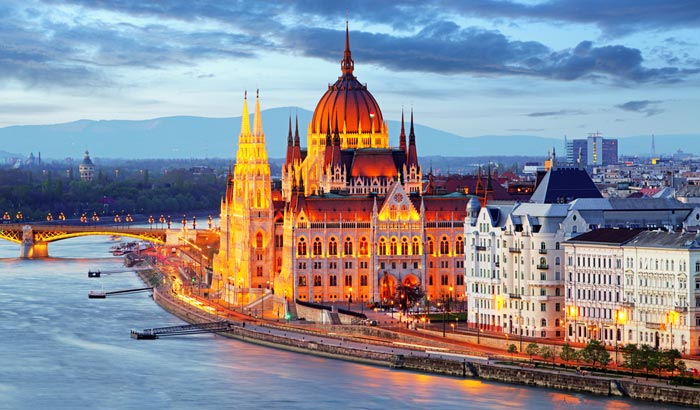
(351, 221)
(634, 286)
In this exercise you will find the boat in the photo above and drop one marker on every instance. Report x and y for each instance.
(115, 238)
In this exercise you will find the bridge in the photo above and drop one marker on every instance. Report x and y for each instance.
(34, 239)
(209, 327)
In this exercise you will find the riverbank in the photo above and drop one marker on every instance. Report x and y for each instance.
(461, 366)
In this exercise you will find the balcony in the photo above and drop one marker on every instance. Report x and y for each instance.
(543, 251)
(628, 304)
(681, 309)
(497, 264)
(543, 266)
(514, 250)
(514, 296)
(480, 248)
(539, 282)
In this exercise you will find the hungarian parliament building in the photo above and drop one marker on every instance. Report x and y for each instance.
(354, 219)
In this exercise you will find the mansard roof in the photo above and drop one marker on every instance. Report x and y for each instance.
(663, 239)
(373, 162)
(607, 236)
(561, 185)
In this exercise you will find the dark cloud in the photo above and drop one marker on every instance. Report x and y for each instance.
(555, 113)
(35, 49)
(612, 17)
(445, 48)
(646, 107)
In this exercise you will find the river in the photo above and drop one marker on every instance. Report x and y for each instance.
(61, 350)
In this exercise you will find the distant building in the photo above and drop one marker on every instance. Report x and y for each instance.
(594, 150)
(86, 168)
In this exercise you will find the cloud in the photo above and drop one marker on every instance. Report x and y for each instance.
(647, 107)
(445, 48)
(614, 18)
(73, 47)
(555, 113)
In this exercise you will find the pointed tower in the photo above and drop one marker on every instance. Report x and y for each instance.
(402, 137)
(245, 251)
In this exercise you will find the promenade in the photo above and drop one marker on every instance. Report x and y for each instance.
(394, 344)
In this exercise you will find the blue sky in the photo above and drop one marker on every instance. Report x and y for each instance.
(476, 67)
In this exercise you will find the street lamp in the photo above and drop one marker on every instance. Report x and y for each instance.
(129, 219)
(444, 315)
(150, 221)
(19, 216)
(83, 218)
(95, 218)
(349, 297)
(194, 222)
(6, 217)
(210, 221)
(61, 217)
(478, 323)
(672, 318)
(161, 220)
(49, 217)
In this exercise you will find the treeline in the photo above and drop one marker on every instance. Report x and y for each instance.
(34, 193)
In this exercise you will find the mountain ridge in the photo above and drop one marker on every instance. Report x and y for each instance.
(216, 137)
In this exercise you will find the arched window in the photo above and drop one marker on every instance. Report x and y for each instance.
(444, 246)
(431, 246)
(459, 246)
(392, 246)
(415, 246)
(317, 247)
(557, 261)
(301, 247)
(364, 247)
(404, 246)
(430, 280)
(347, 246)
(382, 246)
(259, 240)
(544, 323)
(317, 280)
(332, 247)
(392, 212)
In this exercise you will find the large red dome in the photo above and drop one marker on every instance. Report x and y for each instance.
(348, 102)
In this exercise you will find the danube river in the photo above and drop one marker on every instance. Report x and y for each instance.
(61, 350)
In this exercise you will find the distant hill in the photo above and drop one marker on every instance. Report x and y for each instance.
(201, 137)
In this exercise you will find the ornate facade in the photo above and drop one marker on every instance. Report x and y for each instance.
(351, 220)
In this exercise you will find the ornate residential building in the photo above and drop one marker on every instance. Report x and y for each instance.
(351, 220)
(634, 286)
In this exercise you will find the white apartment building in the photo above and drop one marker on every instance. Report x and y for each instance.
(633, 286)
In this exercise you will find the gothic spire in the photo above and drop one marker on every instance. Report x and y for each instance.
(245, 119)
(402, 137)
(347, 65)
(257, 119)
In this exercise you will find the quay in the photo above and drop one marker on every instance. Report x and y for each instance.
(422, 351)
(100, 294)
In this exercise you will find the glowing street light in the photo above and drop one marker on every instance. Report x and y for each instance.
(349, 297)
(49, 217)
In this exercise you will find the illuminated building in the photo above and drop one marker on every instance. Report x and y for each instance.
(351, 221)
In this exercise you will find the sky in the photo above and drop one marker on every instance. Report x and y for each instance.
(470, 67)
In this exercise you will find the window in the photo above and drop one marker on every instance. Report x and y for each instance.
(259, 271)
(317, 280)
(317, 247)
(444, 246)
(459, 246)
(259, 240)
(364, 247)
(431, 246)
(415, 246)
(364, 280)
(332, 247)
(348, 280)
(404, 246)
(348, 265)
(333, 280)
(557, 308)
(430, 280)
(543, 307)
(392, 246)
(347, 246)
(302, 280)
(460, 280)
(301, 247)
(444, 280)
(382, 246)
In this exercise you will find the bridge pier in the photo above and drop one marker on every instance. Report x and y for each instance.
(29, 249)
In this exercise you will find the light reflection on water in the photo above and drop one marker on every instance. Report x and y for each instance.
(61, 350)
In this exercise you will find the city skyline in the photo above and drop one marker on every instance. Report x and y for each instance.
(485, 67)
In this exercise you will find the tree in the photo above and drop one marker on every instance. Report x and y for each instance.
(649, 358)
(548, 353)
(568, 353)
(667, 360)
(512, 349)
(595, 352)
(532, 349)
(631, 357)
(407, 296)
